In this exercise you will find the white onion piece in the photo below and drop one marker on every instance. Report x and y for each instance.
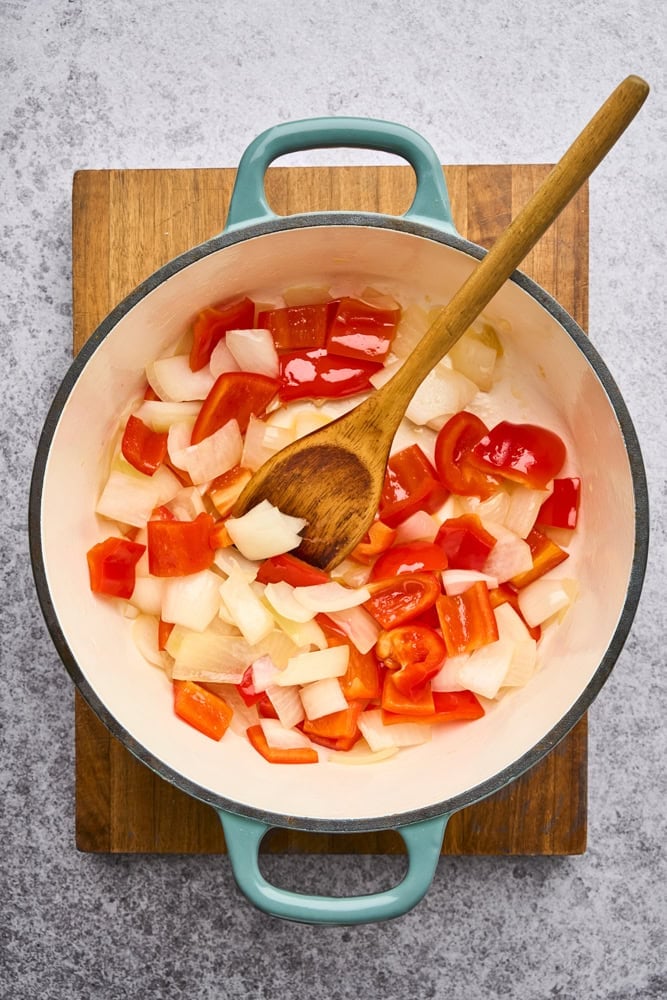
(306, 295)
(456, 581)
(145, 636)
(222, 360)
(542, 599)
(247, 611)
(178, 441)
(130, 497)
(384, 374)
(475, 359)
(509, 556)
(281, 598)
(351, 573)
(174, 381)
(486, 668)
(261, 441)
(381, 737)
(254, 350)
(442, 393)
(419, 527)
(280, 647)
(447, 678)
(412, 326)
(523, 665)
(160, 415)
(327, 597)
(324, 697)
(216, 454)
(243, 715)
(264, 673)
(510, 625)
(191, 601)
(304, 668)
(264, 531)
(302, 634)
(524, 506)
(308, 421)
(282, 737)
(361, 628)
(187, 504)
(287, 703)
(229, 561)
(215, 655)
(147, 595)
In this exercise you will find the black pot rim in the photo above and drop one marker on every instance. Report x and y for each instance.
(539, 750)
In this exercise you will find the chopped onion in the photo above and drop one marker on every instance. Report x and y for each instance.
(351, 573)
(486, 668)
(160, 415)
(247, 611)
(361, 628)
(222, 360)
(524, 506)
(264, 673)
(412, 326)
(148, 595)
(212, 655)
(328, 597)
(265, 531)
(302, 634)
(308, 421)
(229, 561)
(510, 625)
(130, 497)
(320, 698)
(178, 441)
(174, 381)
(379, 300)
(455, 581)
(402, 734)
(442, 393)
(281, 598)
(305, 668)
(261, 441)
(187, 504)
(447, 678)
(361, 753)
(243, 715)
(509, 556)
(475, 359)
(192, 601)
(216, 454)
(542, 599)
(306, 295)
(254, 350)
(145, 635)
(280, 647)
(523, 665)
(419, 527)
(283, 737)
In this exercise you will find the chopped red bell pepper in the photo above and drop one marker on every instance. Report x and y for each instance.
(292, 570)
(343, 743)
(337, 725)
(546, 555)
(111, 566)
(246, 689)
(150, 394)
(316, 374)
(418, 703)
(297, 328)
(297, 755)
(523, 453)
(503, 594)
(465, 541)
(449, 706)
(207, 712)
(361, 680)
(561, 509)
(265, 707)
(453, 447)
(211, 325)
(226, 488)
(359, 330)
(467, 620)
(377, 539)
(410, 484)
(411, 557)
(164, 630)
(414, 654)
(235, 395)
(178, 548)
(398, 600)
(142, 447)
(220, 537)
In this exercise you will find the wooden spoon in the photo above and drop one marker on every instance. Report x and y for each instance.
(333, 477)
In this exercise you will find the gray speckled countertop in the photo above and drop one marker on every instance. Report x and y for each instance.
(86, 84)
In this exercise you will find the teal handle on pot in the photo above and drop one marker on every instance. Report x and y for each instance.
(423, 841)
(430, 204)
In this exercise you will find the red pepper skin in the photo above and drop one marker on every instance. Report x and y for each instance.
(410, 484)
(414, 654)
(449, 706)
(359, 330)
(142, 447)
(467, 620)
(453, 448)
(207, 712)
(398, 600)
(211, 325)
(338, 725)
(234, 395)
(111, 566)
(523, 453)
(377, 540)
(292, 570)
(298, 755)
(412, 557)
(561, 509)
(247, 689)
(361, 680)
(316, 374)
(164, 630)
(179, 548)
(418, 704)
(546, 555)
(465, 541)
(297, 328)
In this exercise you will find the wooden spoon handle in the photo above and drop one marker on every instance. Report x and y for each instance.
(562, 183)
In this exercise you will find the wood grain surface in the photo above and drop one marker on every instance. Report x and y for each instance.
(128, 223)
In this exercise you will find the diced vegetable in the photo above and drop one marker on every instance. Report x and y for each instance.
(177, 548)
(234, 396)
(304, 668)
(561, 508)
(174, 381)
(111, 566)
(275, 755)
(264, 531)
(524, 453)
(211, 325)
(467, 620)
(202, 709)
(144, 448)
(254, 351)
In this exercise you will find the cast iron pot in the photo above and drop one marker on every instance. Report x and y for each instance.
(418, 257)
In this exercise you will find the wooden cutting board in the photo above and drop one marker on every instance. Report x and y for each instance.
(127, 223)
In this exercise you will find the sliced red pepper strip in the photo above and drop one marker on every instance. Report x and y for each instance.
(503, 594)
(142, 447)
(220, 537)
(453, 447)
(561, 509)
(207, 712)
(316, 374)
(343, 743)
(414, 654)
(523, 453)
(211, 325)
(234, 395)
(164, 630)
(292, 570)
(265, 707)
(111, 566)
(411, 557)
(359, 330)
(297, 328)
(401, 598)
(225, 489)
(361, 680)
(377, 539)
(546, 555)
(298, 755)
(465, 541)
(338, 725)
(449, 706)
(467, 620)
(178, 548)
(411, 484)
(419, 703)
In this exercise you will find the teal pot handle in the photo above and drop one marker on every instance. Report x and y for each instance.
(423, 841)
(431, 202)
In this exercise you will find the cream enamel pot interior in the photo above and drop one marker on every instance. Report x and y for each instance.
(555, 372)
